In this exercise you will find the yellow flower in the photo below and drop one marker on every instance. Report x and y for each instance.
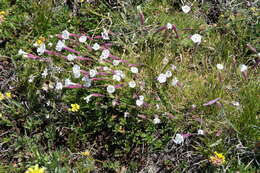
(40, 41)
(2, 13)
(1, 115)
(85, 153)
(1, 96)
(8, 95)
(35, 169)
(74, 108)
(217, 159)
(81, 1)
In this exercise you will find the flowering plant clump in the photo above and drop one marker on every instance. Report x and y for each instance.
(122, 85)
(217, 159)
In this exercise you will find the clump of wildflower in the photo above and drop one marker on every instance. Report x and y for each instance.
(74, 108)
(217, 159)
(35, 169)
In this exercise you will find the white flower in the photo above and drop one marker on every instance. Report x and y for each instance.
(58, 86)
(65, 35)
(92, 73)
(193, 106)
(106, 68)
(111, 89)
(117, 78)
(82, 39)
(134, 69)
(87, 82)
(31, 78)
(60, 45)
(173, 67)
(126, 114)
(116, 62)
(105, 34)
(41, 49)
(132, 84)
(258, 55)
(50, 44)
(45, 73)
(21, 52)
(243, 67)
(185, 8)
(220, 66)
(196, 38)
(87, 99)
(162, 78)
(68, 82)
(156, 120)
(165, 61)
(178, 139)
(120, 73)
(234, 103)
(114, 103)
(96, 46)
(71, 57)
(169, 26)
(139, 102)
(200, 132)
(174, 81)
(76, 71)
(168, 73)
(141, 97)
(139, 8)
(105, 54)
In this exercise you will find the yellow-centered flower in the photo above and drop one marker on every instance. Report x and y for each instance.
(35, 169)
(217, 159)
(74, 108)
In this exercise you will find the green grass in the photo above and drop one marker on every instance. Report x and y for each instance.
(37, 128)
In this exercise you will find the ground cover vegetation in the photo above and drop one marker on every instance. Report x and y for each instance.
(129, 86)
